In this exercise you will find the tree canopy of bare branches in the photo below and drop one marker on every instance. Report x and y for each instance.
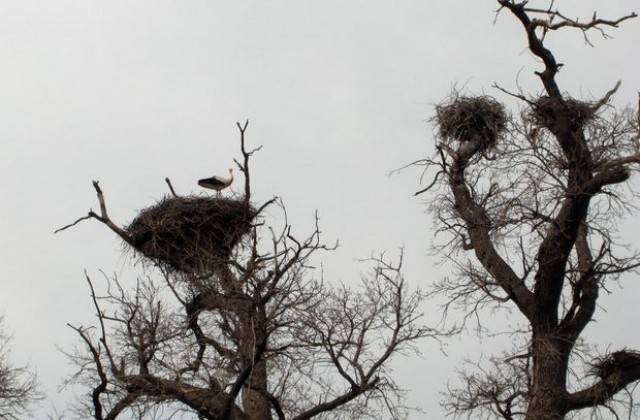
(232, 323)
(530, 203)
(18, 385)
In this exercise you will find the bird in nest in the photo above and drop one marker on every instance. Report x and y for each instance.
(217, 182)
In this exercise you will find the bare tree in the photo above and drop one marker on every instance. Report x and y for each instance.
(530, 203)
(18, 385)
(231, 322)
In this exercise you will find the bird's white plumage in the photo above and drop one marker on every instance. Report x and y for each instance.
(217, 182)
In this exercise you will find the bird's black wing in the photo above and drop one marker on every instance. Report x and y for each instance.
(212, 182)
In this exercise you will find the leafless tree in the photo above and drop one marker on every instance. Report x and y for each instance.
(18, 385)
(231, 322)
(529, 204)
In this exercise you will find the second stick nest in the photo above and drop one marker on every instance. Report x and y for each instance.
(546, 110)
(190, 234)
(616, 364)
(467, 118)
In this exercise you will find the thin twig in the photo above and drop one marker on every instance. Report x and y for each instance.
(88, 216)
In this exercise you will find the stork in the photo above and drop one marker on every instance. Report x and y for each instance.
(216, 182)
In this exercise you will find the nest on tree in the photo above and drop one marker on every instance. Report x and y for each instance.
(616, 363)
(465, 119)
(190, 234)
(545, 112)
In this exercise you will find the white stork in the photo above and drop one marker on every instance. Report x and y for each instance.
(216, 182)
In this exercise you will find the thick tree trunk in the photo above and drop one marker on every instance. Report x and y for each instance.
(252, 343)
(254, 394)
(255, 403)
(549, 375)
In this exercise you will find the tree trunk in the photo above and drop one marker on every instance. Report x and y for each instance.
(254, 401)
(254, 394)
(548, 388)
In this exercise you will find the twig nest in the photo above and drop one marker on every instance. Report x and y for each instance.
(190, 234)
(616, 363)
(469, 118)
(546, 110)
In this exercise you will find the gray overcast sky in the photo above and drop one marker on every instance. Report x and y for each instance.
(338, 93)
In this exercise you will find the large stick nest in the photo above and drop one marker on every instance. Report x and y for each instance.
(546, 110)
(190, 234)
(616, 363)
(467, 118)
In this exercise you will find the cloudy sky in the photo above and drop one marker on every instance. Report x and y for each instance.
(337, 93)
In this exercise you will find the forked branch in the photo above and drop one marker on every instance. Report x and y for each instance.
(103, 217)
